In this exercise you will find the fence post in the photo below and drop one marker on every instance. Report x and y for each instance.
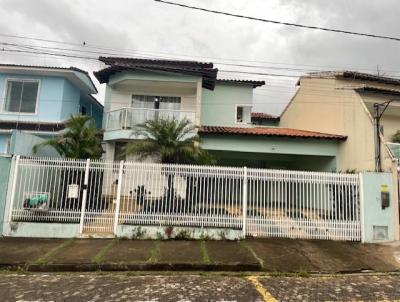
(13, 188)
(244, 207)
(362, 219)
(84, 195)
(118, 200)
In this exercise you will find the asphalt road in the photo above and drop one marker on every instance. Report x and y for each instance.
(205, 287)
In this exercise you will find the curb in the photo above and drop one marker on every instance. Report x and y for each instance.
(108, 267)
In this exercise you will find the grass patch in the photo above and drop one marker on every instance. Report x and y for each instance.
(155, 252)
(100, 255)
(204, 252)
(44, 260)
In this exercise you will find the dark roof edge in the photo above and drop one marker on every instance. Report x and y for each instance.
(71, 68)
(255, 84)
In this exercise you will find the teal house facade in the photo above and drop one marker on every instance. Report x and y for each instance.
(221, 110)
(37, 100)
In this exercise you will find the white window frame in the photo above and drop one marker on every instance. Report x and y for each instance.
(3, 109)
(236, 108)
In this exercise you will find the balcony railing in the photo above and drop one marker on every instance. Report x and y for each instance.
(128, 118)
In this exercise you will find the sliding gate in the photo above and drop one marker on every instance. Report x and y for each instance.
(100, 195)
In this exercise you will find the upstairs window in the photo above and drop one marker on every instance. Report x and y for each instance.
(21, 96)
(243, 114)
(156, 102)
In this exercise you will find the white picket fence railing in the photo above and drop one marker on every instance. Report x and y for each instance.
(101, 195)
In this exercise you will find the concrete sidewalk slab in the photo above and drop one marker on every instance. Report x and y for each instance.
(129, 252)
(180, 252)
(229, 252)
(275, 255)
(20, 251)
(79, 251)
(281, 255)
(331, 256)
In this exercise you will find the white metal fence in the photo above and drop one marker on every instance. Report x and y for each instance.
(267, 203)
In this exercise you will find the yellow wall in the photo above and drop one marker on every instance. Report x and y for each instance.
(329, 105)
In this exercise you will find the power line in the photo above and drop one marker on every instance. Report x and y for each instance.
(145, 53)
(93, 58)
(341, 31)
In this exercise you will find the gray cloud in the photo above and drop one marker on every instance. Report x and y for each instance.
(142, 25)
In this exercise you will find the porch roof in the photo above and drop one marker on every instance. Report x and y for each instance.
(269, 131)
(117, 64)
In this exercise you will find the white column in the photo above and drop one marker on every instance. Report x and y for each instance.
(13, 188)
(395, 176)
(244, 207)
(362, 218)
(118, 199)
(84, 195)
(198, 102)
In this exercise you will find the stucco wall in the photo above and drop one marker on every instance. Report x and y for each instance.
(373, 214)
(23, 142)
(4, 140)
(218, 107)
(270, 152)
(70, 100)
(50, 96)
(122, 86)
(326, 105)
(93, 110)
(5, 164)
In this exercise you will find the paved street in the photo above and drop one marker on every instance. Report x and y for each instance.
(183, 287)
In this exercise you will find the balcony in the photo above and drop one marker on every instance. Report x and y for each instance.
(128, 118)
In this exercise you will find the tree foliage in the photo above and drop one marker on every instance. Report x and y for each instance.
(396, 137)
(170, 140)
(81, 139)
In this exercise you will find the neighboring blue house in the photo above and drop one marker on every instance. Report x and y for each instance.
(37, 100)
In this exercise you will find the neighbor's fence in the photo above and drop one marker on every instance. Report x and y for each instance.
(101, 195)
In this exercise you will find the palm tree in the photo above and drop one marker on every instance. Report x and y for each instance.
(81, 139)
(170, 140)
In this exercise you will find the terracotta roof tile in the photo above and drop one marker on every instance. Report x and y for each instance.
(355, 75)
(263, 116)
(266, 131)
(245, 82)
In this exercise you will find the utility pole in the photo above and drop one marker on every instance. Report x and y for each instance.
(379, 109)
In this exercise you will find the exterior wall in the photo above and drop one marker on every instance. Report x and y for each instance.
(218, 107)
(391, 124)
(157, 232)
(42, 230)
(4, 141)
(373, 214)
(390, 120)
(93, 109)
(5, 164)
(57, 100)
(49, 100)
(120, 96)
(71, 101)
(325, 105)
(23, 142)
(283, 153)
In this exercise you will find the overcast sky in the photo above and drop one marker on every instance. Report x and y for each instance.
(148, 28)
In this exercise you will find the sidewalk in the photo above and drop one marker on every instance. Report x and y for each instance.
(269, 255)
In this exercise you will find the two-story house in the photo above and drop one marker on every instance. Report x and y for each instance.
(343, 102)
(37, 100)
(141, 89)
